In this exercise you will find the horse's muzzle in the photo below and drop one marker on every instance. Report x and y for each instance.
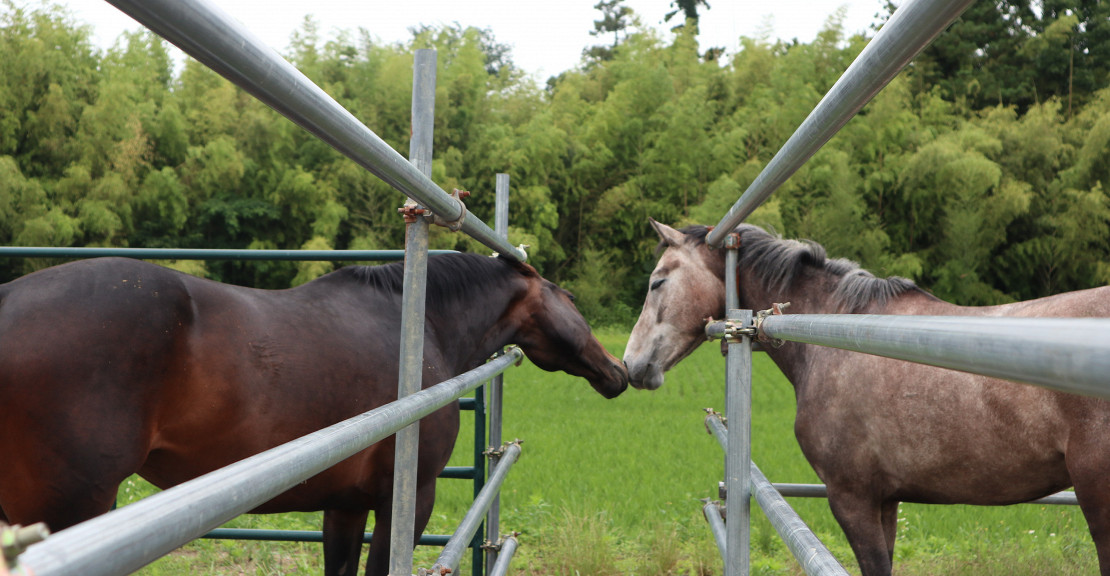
(615, 382)
(645, 376)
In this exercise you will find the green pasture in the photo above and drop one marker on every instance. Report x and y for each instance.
(615, 486)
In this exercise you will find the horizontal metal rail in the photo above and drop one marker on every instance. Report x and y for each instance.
(207, 254)
(1065, 498)
(126, 539)
(205, 32)
(302, 536)
(908, 31)
(1065, 354)
(452, 553)
(813, 556)
(504, 556)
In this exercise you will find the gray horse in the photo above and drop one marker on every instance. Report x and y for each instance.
(880, 431)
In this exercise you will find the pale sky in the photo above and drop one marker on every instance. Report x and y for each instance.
(546, 37)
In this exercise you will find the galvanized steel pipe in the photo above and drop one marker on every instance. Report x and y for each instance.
(810, 552)
(266, 535)
(738, 454)
(407, 442)
(207, 254)
(205, 32)
(449, 559)
(504, 557)
(496, 386)
(712, 512)
(1065, 354)
(814, 557)
(908, 31)
(126, 539)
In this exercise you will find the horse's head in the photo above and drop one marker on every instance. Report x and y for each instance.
(555, 336)
(685, 288)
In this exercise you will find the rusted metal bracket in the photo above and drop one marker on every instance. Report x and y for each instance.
(727, 329)
(775, 310)
(456, 224)
(411, 211)
(492, 452)
(491, 546)
(503, 352)
(710, 413)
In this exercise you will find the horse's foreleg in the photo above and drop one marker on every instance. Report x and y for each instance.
(890, 527)
(862, 519)
(377, 564)
(1092, 490)
(343, 541)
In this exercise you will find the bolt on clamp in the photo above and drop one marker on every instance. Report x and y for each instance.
(776, 309)
(492, 452)
(456, 224)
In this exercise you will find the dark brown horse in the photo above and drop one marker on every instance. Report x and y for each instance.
(113, 367)
(880, 431)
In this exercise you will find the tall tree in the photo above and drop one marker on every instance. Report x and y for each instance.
(615, 18)
(689, 11)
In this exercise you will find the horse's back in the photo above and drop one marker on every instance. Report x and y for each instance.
(1090, 303)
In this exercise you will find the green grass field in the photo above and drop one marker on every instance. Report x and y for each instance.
(615, 486)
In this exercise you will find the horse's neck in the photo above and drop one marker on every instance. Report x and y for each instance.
(811, 292)
(471, 330)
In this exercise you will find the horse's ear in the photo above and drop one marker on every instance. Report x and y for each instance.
(668, 235)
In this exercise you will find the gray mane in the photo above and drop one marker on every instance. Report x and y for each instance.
(779, 260)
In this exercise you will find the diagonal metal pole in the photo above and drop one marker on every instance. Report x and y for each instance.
(403, 533)
(201, 29)
(913, 26)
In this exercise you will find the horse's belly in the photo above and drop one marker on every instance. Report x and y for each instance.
(937, 445)
(984, 483)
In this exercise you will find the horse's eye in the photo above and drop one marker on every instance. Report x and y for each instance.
(658, 283)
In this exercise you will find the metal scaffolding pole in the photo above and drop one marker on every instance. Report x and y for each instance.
(738, 458)
(912, 27)
(205, 32)
(412, 318)
(1066, 354)
(496, 386)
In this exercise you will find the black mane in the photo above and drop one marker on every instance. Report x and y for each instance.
(779, 261)
(450, 276)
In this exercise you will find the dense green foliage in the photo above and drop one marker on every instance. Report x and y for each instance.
(979, 171)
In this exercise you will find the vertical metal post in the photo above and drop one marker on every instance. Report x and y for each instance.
(495, 395)
(738, 403)
(412, 310)
(732, 291)
(480, 393)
